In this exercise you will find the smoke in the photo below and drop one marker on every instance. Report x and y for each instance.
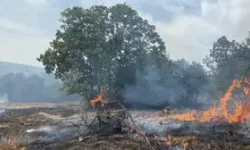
(154, 91)
(147, 90)
(51, 133)
(157, 124)
(42, 129)
(3, 101)
(57, 132)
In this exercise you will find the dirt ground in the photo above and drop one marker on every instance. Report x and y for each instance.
(51, 127)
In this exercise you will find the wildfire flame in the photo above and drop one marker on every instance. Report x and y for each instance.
(99, 98)
(184, 141)
(241, 111)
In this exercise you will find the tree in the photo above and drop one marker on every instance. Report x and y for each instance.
(21, 88)
(188, 81)
(195, 79)
(243, 55)
(13, 85)
(223, 62)
(101, 47)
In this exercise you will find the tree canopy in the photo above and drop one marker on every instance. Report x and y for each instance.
(101, 47)
(228, 60)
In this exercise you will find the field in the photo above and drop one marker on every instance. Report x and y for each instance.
(58, 127)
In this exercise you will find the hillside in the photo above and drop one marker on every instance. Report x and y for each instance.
(8, 67)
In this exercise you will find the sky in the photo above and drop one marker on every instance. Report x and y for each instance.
(188, 27)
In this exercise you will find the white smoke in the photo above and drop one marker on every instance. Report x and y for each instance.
(3, 101)
(45, 129)
(157, 124)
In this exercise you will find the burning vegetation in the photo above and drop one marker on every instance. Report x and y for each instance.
(241, 109)
(111, 122)
(112, 126)
(98, 99)
(112, 46)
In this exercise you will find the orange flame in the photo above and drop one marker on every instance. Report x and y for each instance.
(241, 111)
(99, 98)
(169, 141)
(180, 140)
(188, 116)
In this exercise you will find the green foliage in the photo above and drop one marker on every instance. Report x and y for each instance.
(191, 80)
(222, 63)
(101, 46)
(228, 60)
(114, 48)
(244, 57)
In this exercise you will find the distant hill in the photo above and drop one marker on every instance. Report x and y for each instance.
(9, 67)
(28, 70)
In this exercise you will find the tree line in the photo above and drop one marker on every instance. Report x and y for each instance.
(21, 88)
(228, 60)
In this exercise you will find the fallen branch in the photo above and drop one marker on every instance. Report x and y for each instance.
(137, 129)
(140, 133)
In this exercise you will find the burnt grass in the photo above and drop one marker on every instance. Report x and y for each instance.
(217, 136)
(114, 142)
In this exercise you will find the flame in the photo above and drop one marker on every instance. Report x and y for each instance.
(99, 98)
(169, 141)
(241, 111)
(209, 115)
(185, 141)
(188, 116)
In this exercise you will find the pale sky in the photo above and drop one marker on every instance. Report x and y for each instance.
(188, 27)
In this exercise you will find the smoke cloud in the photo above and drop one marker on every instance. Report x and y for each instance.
(147, 90)
(150, 91)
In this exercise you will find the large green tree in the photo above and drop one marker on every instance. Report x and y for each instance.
(102, 47)
(188, 82)
(228, 60)
(243, 56)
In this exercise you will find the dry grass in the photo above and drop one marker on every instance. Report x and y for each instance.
(193, 143)
(5, 146)
(37, 105)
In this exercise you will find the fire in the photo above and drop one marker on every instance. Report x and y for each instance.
(241, 110)
(169, 141)
(188, 116)
(185, 141)
(99, 98)
(209, 115)
(239, 113)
